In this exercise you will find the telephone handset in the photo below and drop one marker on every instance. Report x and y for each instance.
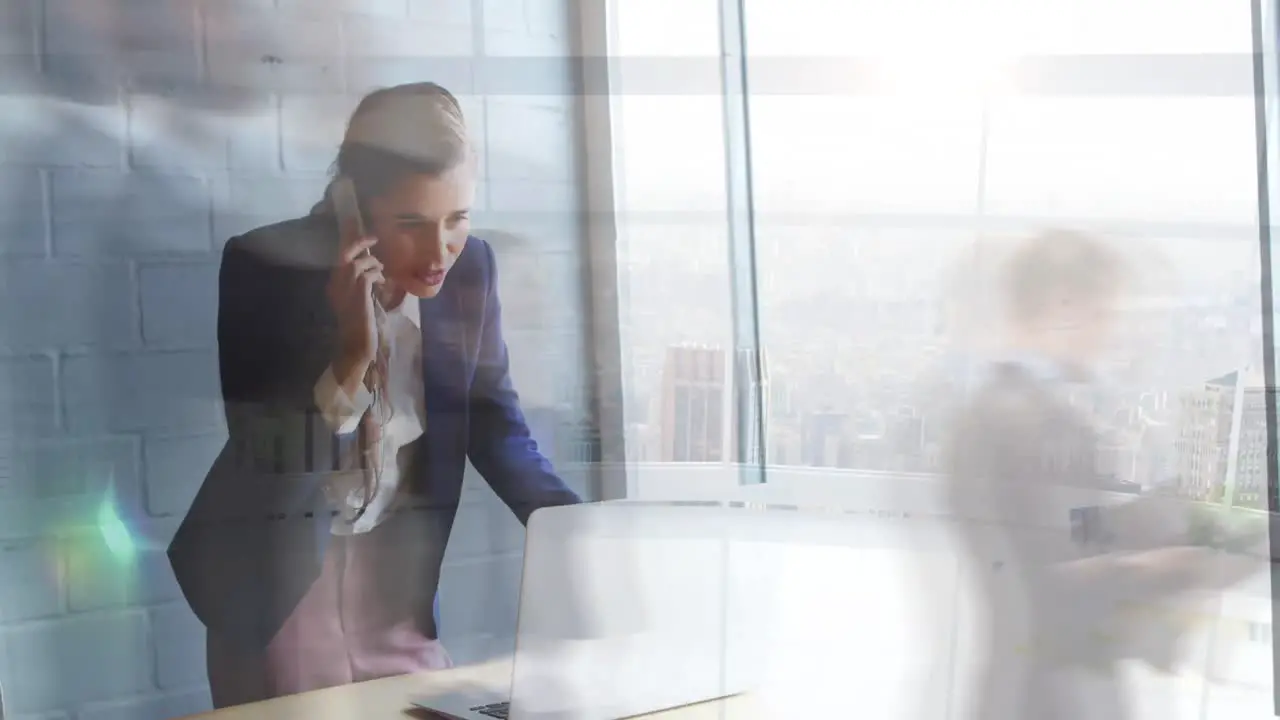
(346, 206)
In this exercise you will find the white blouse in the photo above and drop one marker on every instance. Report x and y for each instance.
(408, 422)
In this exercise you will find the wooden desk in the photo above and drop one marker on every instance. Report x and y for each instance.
(389, 698)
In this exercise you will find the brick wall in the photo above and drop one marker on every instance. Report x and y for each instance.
(138, 136)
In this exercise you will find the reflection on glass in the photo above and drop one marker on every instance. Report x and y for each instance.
(884, 211)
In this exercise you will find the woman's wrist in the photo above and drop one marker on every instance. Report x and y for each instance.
(349, 369)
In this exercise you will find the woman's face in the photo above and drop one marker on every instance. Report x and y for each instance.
(422, 226)
(1087, 330)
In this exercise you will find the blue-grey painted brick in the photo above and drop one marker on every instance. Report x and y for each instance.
(479, 597)
(503, 595)
(180, 305)
(175, 468)
(475, 115)
(179, 647)
(150, 44)
(152, 70)
(101, 576)
(242, 203)
(21, 22)
(22, 212)
(469, 538)
(507, 15)
(530, 138)
(375, 37)
(534, 367)
(77, 659)
(506, 534)
(311, 128)
(446, 12)
(461, 583)
(16, 72)
(82, 304)
(223, 8)
(178, 133)
(558, 233)
(168, 392)
(534, 198)
(553, 18)
(27, 396)
(162, 707)
(380, 8)
(565, 271)
(30, 580)
(517, 63)
(365, 74)
(282, 51)
(49, 132)
(113, 25)
(104, 212)
(524, 307)
(479, 648)
(57, 485)
(382, 51)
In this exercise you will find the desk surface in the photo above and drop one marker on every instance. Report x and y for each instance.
(389, 698)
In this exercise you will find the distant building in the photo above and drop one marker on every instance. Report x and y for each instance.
(642, 443)
(1204, 439)
(715, 407)
(693, 405)
(822, 437)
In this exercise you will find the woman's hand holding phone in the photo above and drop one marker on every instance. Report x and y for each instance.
(351, 286)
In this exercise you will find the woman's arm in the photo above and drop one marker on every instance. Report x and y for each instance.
(500, 444)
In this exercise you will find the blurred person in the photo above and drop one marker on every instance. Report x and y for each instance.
(359, 374)
(1056, 612)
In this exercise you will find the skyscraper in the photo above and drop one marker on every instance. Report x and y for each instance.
(714, 408)
(1204, 440)
(693, 405)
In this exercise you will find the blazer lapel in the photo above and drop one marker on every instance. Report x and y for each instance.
(445, 384)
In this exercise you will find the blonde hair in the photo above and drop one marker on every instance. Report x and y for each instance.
(1057, 268)
(403, 130)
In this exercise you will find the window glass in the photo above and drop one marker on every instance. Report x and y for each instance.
(674, 242)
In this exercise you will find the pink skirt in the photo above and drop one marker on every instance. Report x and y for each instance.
(354, 624)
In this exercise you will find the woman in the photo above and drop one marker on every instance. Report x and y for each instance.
(1057, 609)
(358, 374)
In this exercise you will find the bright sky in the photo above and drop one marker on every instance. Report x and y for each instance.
(1173, 158)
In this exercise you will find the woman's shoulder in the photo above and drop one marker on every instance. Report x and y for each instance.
(305, 243)
(1008, 396)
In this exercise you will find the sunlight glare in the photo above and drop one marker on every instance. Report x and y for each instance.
(953, 51)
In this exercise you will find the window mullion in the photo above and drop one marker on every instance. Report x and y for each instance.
(742, 255)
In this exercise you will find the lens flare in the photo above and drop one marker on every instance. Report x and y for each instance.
(115, 533)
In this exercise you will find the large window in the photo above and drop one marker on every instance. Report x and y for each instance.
(823, 241)
(816, 197)
(921, 136)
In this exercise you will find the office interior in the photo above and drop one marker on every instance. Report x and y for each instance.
(746, 249)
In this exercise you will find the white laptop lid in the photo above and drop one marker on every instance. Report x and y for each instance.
(631, 607)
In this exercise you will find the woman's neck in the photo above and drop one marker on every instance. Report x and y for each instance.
(391, 296)
(1045, 347)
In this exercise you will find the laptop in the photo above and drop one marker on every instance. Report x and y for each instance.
(626, 608)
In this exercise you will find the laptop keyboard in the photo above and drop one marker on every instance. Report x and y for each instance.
(498, 710)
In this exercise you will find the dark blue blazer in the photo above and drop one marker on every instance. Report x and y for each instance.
(253, 541)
